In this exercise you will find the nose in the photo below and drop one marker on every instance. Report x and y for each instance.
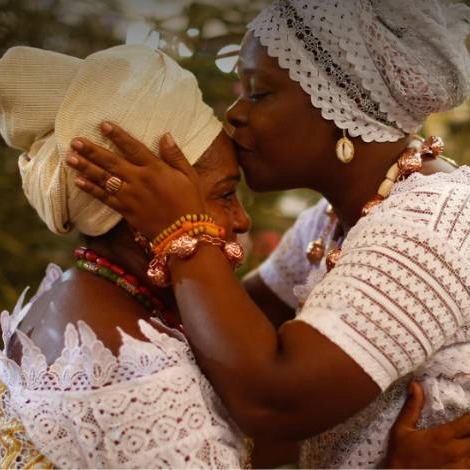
(241, 220)
(237, 113)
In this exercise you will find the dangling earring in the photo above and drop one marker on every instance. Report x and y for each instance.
(316, 248)
(344, 149)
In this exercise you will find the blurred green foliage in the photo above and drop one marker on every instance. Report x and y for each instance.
(203, 27)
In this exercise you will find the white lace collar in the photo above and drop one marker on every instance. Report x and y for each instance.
(85, 363)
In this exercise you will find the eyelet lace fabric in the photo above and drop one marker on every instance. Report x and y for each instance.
(376, 68)
(398, 302)
(149, 407)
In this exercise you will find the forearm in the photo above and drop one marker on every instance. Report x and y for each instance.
(221, 320)
(282, 382)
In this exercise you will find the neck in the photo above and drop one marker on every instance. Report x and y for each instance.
(119, 247)
(355, 183)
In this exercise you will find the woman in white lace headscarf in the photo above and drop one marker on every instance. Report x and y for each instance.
(332, 93)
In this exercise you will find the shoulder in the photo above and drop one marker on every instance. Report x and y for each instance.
(78, 296)
(431, 192)
(437, 204)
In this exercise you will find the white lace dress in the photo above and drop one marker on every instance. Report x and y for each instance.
(397, 302)
(150, 407)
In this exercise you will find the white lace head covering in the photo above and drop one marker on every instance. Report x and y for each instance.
(377, 68)
(47, 99)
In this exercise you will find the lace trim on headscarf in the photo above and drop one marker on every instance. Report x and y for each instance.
(325, 61)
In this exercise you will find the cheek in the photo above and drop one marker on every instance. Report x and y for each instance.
(302, 143)
(279, 129)
(267, 127)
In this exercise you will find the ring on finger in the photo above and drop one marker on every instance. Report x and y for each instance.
(113, 184)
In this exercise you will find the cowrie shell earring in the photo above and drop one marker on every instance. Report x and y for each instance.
(344, 149)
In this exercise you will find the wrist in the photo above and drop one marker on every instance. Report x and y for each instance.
(183, 246)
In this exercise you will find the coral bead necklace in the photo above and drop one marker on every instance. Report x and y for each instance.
(89, 260)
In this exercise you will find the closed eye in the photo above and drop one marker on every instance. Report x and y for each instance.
(229, 195)
(258, 96)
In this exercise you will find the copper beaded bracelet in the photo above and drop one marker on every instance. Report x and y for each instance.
(184, 247)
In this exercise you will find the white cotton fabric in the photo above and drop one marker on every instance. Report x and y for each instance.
(149, 407)
(377, 68)
(47, 99)
(397, 302)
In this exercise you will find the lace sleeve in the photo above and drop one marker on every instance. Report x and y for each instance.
(288, 266)
(401, 289)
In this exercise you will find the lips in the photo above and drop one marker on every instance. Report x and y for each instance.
(241, 146)
(237, 138)
(243, 155)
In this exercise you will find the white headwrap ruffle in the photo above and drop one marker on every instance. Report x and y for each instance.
(377, 68)
(46, 99)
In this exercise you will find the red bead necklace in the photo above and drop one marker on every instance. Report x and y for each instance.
(89, 260)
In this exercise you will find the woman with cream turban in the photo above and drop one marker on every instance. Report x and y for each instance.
(332, 93)
(97, 368)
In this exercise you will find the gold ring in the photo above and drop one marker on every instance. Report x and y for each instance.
(113, 184)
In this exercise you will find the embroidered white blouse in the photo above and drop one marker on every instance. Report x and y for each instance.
(397, 302)
(150, 407)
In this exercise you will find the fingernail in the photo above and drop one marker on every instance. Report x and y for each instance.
(106, 127)
(77, 144)
(168, 140)
(80, 182)
(71, 159)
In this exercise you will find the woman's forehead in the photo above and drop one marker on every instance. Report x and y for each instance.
(254, 57)
(219, 161)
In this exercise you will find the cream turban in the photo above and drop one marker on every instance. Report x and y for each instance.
(377, 68)
(46, 99)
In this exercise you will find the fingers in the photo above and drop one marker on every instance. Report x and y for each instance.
(99, 193)
(93, 173)
(411, 411)
(133, 150)
(97, 159)
(173, 155)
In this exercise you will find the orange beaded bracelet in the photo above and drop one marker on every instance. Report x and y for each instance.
(184, 247)
(184, 223)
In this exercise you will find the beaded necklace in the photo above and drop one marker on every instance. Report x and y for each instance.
(410, 161)
(89, 260)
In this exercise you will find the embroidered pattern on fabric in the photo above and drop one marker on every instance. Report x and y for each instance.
(149, 407)
(399, 298)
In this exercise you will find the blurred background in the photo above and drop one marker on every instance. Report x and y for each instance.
(200, 35)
